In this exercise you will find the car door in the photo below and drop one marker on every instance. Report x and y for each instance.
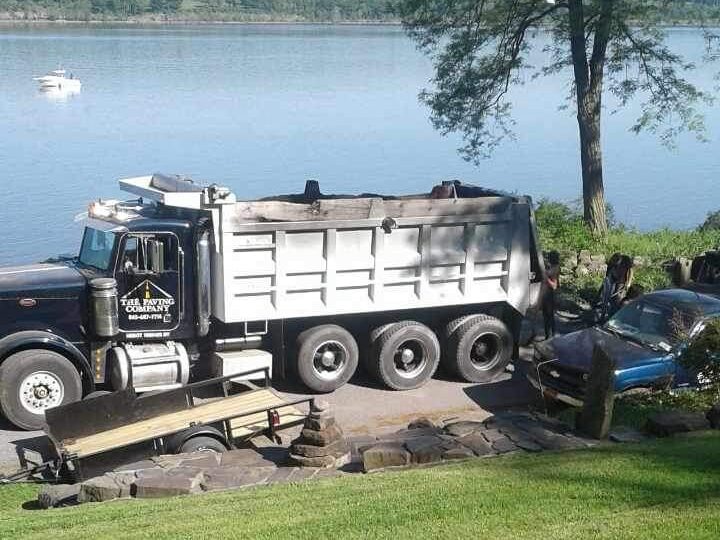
(149, 275)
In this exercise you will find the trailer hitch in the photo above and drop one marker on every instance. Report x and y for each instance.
(51, 466)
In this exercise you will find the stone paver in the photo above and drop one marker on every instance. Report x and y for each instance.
(385, 454)
(168, 485)
(477, 443)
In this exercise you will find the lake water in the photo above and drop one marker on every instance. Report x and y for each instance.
(263, 108)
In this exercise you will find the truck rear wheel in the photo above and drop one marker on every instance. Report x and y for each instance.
(404, 355)
(327, 357)
(35, 380)
(479, 347)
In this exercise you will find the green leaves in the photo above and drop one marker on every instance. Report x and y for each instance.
(703, 354)
(480, 49)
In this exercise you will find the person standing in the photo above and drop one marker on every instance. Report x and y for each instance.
(552, 282)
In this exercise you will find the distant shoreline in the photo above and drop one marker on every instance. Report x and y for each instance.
(181, 22)
(153, 21)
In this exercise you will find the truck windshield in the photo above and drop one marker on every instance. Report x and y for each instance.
(97, 248)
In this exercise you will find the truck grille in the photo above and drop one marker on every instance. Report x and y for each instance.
(563, 379)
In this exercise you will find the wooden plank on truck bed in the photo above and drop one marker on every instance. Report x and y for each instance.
(167, 424)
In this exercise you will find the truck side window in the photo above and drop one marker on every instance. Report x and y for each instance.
(150, 254)
(130, 258)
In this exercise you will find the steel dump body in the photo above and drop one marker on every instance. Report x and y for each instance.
(275, 259)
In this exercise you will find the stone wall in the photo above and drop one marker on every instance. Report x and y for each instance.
(584, 263)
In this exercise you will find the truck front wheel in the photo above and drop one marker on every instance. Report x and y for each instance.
(479, 347)
(34, 380)
(404, 355)
(327, 357)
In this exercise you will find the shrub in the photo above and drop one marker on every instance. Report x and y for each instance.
(703, 354)
(712, 223)
(561, 228)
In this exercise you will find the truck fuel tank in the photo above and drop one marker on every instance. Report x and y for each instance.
(149, 366)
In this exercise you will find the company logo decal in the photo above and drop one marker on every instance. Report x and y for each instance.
(147, 302)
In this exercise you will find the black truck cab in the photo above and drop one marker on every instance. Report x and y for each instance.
(51, 352)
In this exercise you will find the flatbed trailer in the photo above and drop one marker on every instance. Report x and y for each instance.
(85, 433)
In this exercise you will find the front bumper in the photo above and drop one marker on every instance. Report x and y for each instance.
(552, 393)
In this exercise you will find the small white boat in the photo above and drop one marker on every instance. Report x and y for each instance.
(57, 79)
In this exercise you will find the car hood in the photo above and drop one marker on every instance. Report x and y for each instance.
(576, 350)
(40, 281)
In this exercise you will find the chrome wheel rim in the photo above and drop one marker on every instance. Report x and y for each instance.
(41, 390)
(410, 359)
(330, 359)
(485, 351)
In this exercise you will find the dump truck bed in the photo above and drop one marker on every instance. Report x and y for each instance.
(313, 255)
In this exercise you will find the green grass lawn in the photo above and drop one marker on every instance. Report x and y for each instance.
(665, 489)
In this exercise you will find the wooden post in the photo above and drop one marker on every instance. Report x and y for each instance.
(596, 415)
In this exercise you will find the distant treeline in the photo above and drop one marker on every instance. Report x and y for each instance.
(679, 11)
(240, 10)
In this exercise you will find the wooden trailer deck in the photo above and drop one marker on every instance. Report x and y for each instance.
(121, 419)
(246, 425)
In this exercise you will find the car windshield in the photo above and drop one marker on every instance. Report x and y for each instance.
(658, 326)
(97, 248)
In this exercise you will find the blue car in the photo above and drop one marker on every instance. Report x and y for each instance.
(645, 337)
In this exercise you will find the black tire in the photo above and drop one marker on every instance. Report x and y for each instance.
(44, 379)
(478, 348)
(327, 357)
(404, 355)
(202, 443)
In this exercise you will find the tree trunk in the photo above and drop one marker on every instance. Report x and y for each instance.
(592, 173)
(588, 87)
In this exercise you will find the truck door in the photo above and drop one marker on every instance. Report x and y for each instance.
(149, 280)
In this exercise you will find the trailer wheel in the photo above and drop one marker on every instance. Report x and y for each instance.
(327, 357)
(35, 380)
(405, 355)
(202, 443)
(479, 347)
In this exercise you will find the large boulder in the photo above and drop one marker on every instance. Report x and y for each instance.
(664, 424)
(100, 489)
(53, 495)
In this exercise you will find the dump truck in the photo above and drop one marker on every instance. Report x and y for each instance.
(188, 281)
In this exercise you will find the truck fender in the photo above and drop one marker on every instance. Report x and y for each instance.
(38, 339)
(175, 441)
